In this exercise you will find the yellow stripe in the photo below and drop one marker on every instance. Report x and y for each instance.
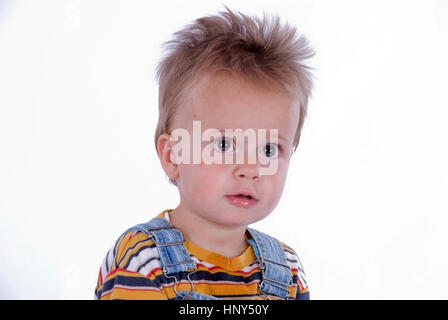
(231, 264)
(227, 289)
(132, 242)
(130, 294)
(288, 248)
(126, 273)
(98, 283)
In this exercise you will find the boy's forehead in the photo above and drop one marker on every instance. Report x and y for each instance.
(221, 92)
(224, 101)
(214, 84)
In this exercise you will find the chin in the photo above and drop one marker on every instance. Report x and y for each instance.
(240, 220)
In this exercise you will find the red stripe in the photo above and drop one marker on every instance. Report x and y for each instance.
(299, 282)
(153, 271)
(132, 234)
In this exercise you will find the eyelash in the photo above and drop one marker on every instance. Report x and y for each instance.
(279, 146)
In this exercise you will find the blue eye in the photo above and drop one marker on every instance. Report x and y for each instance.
(270, 150)
(224, 145)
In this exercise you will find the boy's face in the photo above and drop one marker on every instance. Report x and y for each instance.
(232, 103)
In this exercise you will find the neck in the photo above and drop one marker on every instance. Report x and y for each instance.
(227, 241)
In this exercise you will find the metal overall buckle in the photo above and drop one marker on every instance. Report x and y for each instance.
(274, 282)
(189, 295)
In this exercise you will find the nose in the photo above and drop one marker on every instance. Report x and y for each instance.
(247, 171)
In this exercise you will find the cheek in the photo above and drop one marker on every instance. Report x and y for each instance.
(277, 181)
(203, 179)
(282, 173)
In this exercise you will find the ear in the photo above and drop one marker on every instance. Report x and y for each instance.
(167, 157)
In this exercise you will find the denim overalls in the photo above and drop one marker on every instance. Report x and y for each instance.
(174, 257)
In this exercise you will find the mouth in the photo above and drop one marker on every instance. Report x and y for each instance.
(244, 200)
(244, 195)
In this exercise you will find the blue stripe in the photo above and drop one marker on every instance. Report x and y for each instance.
(222, 276)
(303, 296)
(130, 281)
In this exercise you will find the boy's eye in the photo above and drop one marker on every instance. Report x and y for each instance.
(224, 145)
(270, 150)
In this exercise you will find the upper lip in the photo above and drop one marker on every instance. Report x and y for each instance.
(245, 193)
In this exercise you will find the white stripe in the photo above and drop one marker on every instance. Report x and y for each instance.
(204, 263)
(251, 267)
(209, 265)
(137, 287)
(291, 256)
(130, 250)
(154, 264)
(297, 264)
(104, 269)
(302, 278)
(293, 260)
(110, 258)
(142, 258)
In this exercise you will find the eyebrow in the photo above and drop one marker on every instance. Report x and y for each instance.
(282, 138)
(278, 136)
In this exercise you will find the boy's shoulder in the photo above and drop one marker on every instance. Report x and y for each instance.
(292, 258)
(294, 263)
(133, 251)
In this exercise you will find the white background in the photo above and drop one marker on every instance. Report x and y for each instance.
(365, 204)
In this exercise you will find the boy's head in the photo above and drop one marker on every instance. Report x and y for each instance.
(232, 72)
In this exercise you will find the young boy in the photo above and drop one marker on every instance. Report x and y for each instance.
(222, 73)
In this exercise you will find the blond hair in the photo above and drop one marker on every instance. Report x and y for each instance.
(258, 50)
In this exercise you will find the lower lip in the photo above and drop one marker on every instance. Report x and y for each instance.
(241, 202)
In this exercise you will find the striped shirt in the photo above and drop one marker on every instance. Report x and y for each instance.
(132, 270)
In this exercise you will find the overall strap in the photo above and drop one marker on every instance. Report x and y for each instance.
(277, 275)
(170, 244)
